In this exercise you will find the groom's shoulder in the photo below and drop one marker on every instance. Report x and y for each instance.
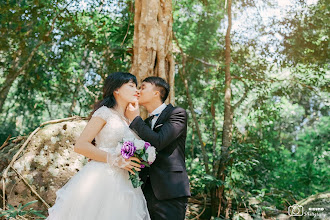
(177, 110)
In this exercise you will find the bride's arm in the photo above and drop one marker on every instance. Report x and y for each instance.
(85, 147)
(84, 144)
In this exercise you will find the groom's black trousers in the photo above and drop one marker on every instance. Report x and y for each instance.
(169, 209)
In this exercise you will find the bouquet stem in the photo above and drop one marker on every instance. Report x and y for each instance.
(135, 179)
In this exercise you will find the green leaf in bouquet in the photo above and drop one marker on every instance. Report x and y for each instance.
(145, 157)
(145, 164)
(139, 153)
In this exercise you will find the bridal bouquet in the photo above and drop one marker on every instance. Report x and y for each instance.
(137, 148)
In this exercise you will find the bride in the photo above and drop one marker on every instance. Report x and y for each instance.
(102, 189)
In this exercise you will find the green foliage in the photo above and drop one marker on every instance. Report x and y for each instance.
(66, 73)
(308, 43)
(13, 212)
(283, 99)
(277, 174)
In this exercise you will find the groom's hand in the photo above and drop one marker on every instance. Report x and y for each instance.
(132, 111)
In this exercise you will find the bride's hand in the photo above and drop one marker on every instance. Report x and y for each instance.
(133, 165)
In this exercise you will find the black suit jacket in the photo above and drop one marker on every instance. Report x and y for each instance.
(168, 175)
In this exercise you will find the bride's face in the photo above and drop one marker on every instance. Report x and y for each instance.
(127, 92)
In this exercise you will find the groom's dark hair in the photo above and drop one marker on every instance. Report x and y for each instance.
(161, 85)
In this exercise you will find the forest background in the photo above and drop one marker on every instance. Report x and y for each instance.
(54, 56)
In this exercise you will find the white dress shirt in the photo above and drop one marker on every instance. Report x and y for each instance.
(157, 112)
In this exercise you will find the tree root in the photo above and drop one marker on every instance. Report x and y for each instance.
(200, 214)
(5, 143)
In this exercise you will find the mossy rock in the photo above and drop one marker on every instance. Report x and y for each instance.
(46, 163)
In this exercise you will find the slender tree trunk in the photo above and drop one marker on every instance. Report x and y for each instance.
(192, 145)
(199, 133)
(228, 209)
(152, 52)
(4, 89)
(78, 83)
(214, 129)
(228, 117)
(49, 111)
(228, 114)
(191, 107)
(74, 98)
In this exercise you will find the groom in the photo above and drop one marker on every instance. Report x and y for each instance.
(166, 187)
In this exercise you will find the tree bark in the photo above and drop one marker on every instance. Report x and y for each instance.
(152, 52)
(228, 117)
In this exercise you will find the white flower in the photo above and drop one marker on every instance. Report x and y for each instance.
(139, 144)
(151, 151)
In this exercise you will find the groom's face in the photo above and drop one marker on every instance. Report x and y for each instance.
(147, 93)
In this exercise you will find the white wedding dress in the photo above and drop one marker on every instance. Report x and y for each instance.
(100, 191)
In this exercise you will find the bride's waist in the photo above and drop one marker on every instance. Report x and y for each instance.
(107, 149)
(98, 166)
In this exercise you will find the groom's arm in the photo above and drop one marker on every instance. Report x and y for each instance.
(171, 129)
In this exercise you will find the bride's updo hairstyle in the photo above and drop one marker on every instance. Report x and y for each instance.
(112, 82)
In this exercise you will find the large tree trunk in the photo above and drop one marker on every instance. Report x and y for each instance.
(152, 53)
(228, 118)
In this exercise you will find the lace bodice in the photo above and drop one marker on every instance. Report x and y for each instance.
(113, 131)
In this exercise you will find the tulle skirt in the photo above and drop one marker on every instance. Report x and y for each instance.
(99, 192)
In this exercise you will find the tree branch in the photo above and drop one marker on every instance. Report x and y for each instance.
(129, 23)
(205, 63)
(90, 92)
(5, 143)
(243, 97)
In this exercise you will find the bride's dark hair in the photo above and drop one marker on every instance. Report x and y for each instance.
(112, 82)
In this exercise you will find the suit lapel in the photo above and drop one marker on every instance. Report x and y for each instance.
(148, 122)
(164, 114)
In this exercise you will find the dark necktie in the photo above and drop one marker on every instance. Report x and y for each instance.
(150, 119)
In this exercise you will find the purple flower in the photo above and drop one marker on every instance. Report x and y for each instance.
(128, 149)
(143, 166)
(147, 145)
